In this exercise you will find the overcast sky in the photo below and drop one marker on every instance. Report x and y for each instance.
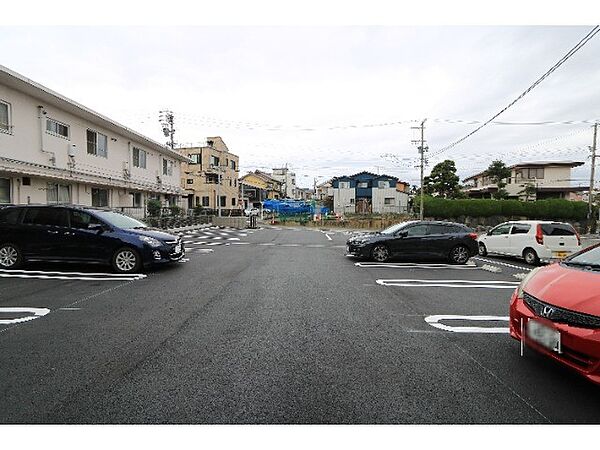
(329, 101)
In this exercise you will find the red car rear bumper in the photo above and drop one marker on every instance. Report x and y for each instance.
(580, 347)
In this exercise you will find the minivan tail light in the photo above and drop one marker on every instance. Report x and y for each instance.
(539, 235)
(473, 236)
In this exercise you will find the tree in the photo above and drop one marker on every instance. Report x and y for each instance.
(498, 172)
(529, 191)
(443, 181)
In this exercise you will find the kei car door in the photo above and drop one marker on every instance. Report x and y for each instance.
(497, 239)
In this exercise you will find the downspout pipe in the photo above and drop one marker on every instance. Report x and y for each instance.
(41, 114)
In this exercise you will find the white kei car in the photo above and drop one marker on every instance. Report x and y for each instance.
(533, 240)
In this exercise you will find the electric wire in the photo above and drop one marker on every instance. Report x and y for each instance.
(560, 62)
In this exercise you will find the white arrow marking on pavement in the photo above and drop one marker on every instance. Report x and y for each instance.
(434, 321)
(450, 283)
(37, 312)
(240, 243)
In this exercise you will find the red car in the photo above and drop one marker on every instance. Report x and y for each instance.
(556, 311)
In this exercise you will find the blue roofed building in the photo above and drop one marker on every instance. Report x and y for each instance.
(366, 192)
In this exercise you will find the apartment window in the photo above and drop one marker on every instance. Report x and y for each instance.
(4, 190)
(139, 158)
(363, 184)
(388, 201)
(232, 201)
(172, 200)
(383, 184)
(205, 201)
(233, 164)
(5, 125)
(97, 143)
(235, 183)
(137, 199)
(190, 181)
(223, 201)
(344, 184)
(214, 161)
(57, 129)
(167, 167)
(58, 193)
(99, 197)
(351, 201)
(197, 201)
(212, 178)
(196, 158)
(230, 182)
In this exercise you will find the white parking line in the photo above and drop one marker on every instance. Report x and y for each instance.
(449, 283)
(416, 266)
(502, 263)
(434, 322)
(88, 274)
(37, 312)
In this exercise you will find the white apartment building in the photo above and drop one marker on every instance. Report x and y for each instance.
(54, 150)
(288, 182)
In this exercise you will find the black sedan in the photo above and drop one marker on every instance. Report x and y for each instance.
(417, 240)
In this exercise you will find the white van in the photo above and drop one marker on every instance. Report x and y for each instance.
(533, 240)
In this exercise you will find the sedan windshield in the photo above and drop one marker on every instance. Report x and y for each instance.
(590, 258)
(395, 228)
(119, 220)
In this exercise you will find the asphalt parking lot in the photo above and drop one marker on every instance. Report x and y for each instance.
(275, 325)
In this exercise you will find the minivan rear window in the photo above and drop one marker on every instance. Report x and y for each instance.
(558, 229)
(45, 216)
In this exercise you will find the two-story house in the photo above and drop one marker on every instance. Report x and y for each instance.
(550, 179)
(366, 192)
(54, 150)
(211, 175)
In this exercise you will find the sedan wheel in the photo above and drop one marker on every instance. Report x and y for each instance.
(459, 254)
(381, 253)
(126, 260)
(482, 249)
(10, 257)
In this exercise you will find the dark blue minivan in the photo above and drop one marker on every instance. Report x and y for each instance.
(64, 233)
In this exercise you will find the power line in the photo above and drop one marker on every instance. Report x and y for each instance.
(560, 62)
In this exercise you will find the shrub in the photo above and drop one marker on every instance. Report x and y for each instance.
(552, 209)
(154, 207)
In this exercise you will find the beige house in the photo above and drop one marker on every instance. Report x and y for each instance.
(54, 150)
(200, 177)
(550, 179)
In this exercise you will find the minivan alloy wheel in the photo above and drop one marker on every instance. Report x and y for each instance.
(126, 260)
(9, 256)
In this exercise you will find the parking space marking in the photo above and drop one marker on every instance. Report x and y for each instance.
(417, 266)
(434, 321)
(449, 283)
(37, 312)
(80, 276)
(502, 263)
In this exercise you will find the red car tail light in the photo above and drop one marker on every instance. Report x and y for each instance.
(539, 235)
(473, 236)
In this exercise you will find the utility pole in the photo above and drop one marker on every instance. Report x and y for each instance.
(167, 121)
(592, 175)
(422, 150)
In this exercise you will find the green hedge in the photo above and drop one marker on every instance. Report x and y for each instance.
(542, 209)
